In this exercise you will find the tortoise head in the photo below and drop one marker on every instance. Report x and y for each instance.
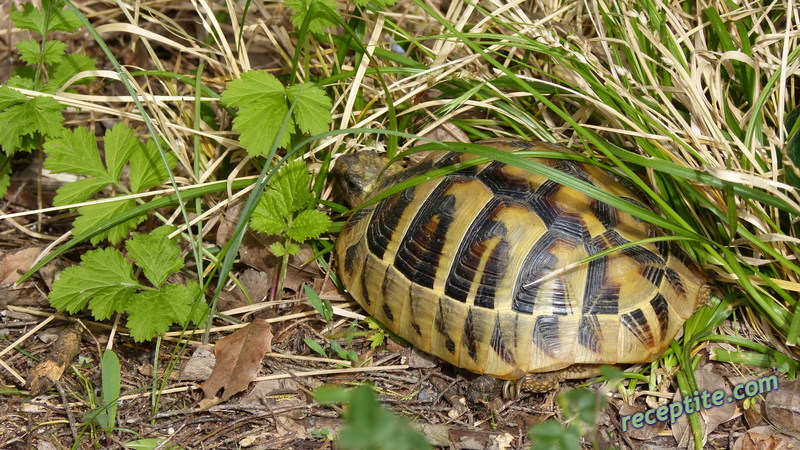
(360, 174)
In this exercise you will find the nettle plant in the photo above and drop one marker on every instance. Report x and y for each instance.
(25, 123)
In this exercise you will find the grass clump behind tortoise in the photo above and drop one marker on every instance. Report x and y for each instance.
(478, 267)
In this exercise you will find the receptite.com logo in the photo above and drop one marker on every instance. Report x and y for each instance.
(700, 401)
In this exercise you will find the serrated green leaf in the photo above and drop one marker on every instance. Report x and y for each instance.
(10, 97)
(103, 279)
(293, 248)
(277, 249)
(37, 115)
(5, 174)
(261, 99)
(78, 191)
(308, 225)
(313, 345)
(251, 88)
(151, 313)
(312, 112)
(75, 152)
(65, 68)
(120, 145)
(293, 181)
(158, 256)
(147, 168)
(30, 18)
(31, 52)
(301, 7)
(22, 78)
(270, 213)
(95, 214)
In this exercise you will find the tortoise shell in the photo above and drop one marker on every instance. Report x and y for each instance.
(480, 267)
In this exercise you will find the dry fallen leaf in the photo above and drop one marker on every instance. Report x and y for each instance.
(13, 265)
(47, 372)
(707, 382)
(783, 407)
(765, 437)
(239, 359)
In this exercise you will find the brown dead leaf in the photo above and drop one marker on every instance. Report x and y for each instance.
(765, 438)
(13, 265)
(647, 431)
(47, 372)
(710, 418)
(782, 407)
(239, 359)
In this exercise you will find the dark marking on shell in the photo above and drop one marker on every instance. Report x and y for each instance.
(385, 220)
(664, 248)
(571, 229)
(498, 345)
(505, 183)
(469, 339)
(674, 279)
(388, 311)
(589, 333)
(470, 252)
(636, 322)
(420, 250)
(538, 263)
(605, 213)
(365, 284)
(574, 169)
(642, 255)
(493, 274)
(350, 257)
(450, 345)
(653, 274)
(603, 301)
(544, 205)
(561, 303)
(661, 308)
(545, 334)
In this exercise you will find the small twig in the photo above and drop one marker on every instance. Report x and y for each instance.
(72, 426)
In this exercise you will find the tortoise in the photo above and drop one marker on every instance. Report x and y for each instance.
(482, 267)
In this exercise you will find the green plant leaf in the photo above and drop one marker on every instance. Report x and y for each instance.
(75, 152)
(37, 115)
(293, 248)
(10, 97)
(95, 214)
(314, 345)
(261, 99)
(301, 7)
(103, 279)
(293, 181)
(147, 168)
(269, 215)
(79, 191)
(158, 256)
(5, 174)
(111, 377)
(62, 70)
(308, 224)
(120, 146)
(371, 426)
(151, 313)
(323, 307)
(31, 52)
(312, 112)
(30, 18)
